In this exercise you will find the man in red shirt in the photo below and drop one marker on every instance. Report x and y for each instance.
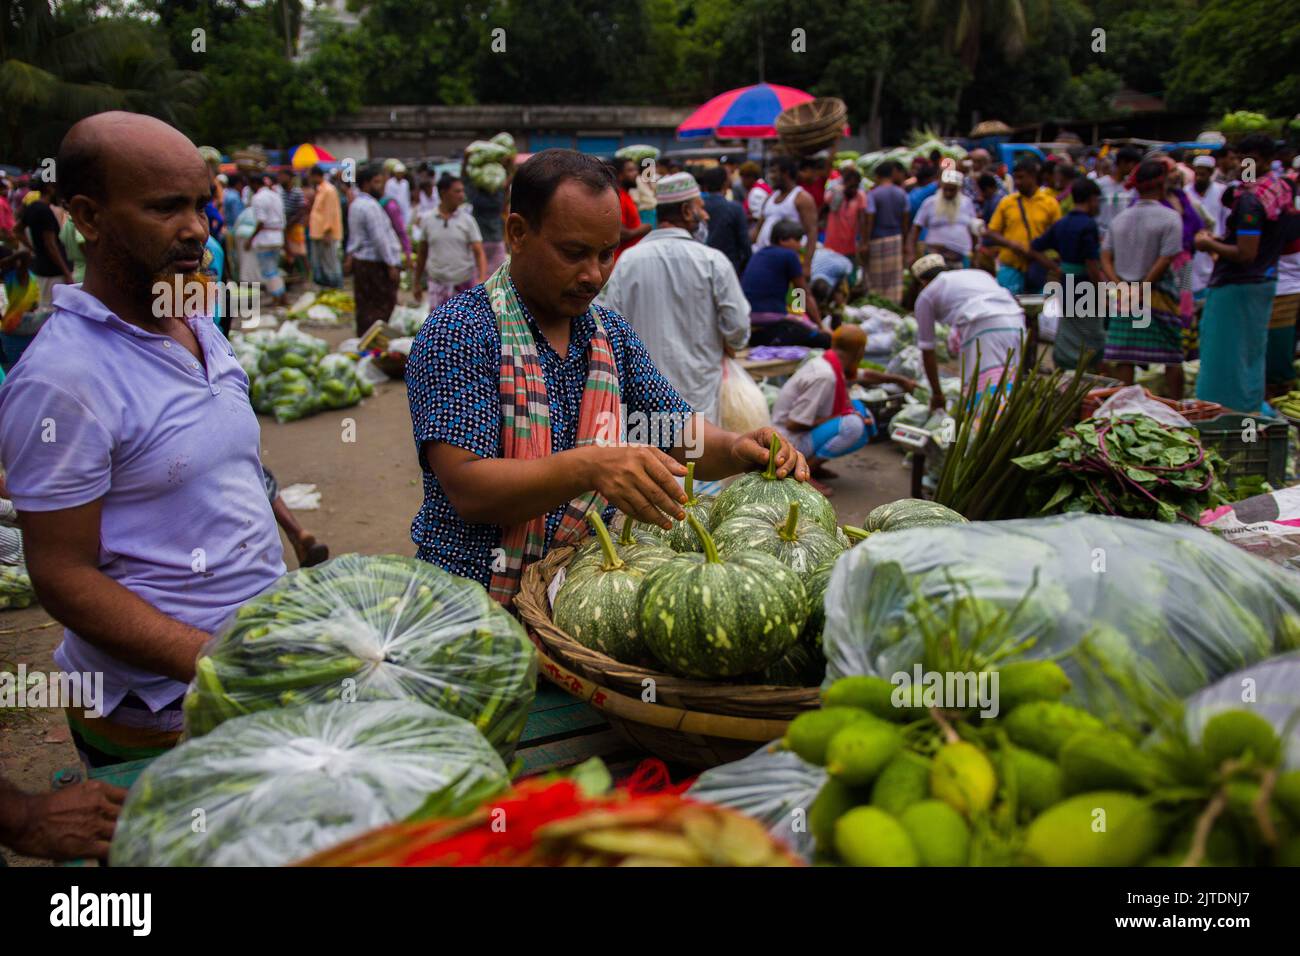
(846, 208)
(631, 228)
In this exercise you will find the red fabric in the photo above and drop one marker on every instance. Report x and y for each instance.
(816, 189)
(630, 217)
(842, 225)
(842, 406)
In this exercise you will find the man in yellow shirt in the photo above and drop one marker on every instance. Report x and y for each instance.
(325, 226)
(1017, 221)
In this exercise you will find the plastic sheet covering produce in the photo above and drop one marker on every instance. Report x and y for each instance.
(290, 347)
(1171, 606)
(275, 787)
(775, 787)
(1274, 686)
(370, 628)
(287, 393)
(248, 348)
(336, 380)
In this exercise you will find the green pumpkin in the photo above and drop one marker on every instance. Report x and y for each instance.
(598, 607)
(764, 488)
(910, 513)
(706, 617)
(681, 537)
(803, 665)
(800, 544)
(816, 584)
(635, 545)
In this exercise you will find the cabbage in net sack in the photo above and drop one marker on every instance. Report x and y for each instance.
(1172, 606)
(275, 787)
(370, 628)
(775, 787)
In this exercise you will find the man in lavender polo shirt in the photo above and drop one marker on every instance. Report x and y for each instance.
(130, 444)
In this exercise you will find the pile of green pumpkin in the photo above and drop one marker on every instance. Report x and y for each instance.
(733, 592)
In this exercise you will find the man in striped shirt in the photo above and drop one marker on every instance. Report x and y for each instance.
(374, 254)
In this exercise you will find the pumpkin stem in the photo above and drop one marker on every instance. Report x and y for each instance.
(625, 538)
(791, 521)
(612, 561)
(772, 449)
(855, 534)
(690, 483)
(706, 539)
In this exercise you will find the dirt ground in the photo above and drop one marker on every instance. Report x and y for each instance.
(370, 491)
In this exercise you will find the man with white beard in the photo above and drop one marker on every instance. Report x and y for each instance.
(946, 217)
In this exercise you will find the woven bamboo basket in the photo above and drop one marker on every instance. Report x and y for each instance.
(812, 126)
(693, 722)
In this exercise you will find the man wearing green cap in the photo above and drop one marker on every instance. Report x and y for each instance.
(682, 296)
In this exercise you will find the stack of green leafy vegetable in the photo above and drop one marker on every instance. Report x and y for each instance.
(271, 788)
(1021, 415)
(370, 628)
(1131, 465)
(287, 393)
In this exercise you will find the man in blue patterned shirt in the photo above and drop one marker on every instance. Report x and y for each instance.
(561, 236)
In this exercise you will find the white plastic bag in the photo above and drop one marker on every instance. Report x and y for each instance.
(1134, 400)
(382, 627)
(775, 787)
(277, 786)
(742, 407)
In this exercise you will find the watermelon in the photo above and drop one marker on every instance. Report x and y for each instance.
(636, 545)
(706, 617)
(799, 544)
(681, 537)
(910, 513)
(598, 607)
(764, 488)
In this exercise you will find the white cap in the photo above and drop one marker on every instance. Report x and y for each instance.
(221, 178)
(928, 263)
(951, 176)
(1204, 160)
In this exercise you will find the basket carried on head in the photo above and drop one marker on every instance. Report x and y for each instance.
(812, 126)
(694, 722)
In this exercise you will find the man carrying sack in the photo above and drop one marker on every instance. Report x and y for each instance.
(521, 391)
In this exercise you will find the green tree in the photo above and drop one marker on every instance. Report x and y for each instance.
(967, 25)
(1238, 54)
(61, 63)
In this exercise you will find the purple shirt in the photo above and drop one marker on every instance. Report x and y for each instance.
(100, 409)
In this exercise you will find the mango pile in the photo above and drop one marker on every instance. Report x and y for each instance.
(1041, 784)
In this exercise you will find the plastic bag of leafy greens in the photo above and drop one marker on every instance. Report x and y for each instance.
(1270, 688)
(359, 627)
(287, 393)
(290, 347)
(275, 787)
(775, 787)
(336, 379)
(1170, 606)
(907, 363)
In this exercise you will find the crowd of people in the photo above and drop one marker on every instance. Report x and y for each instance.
(563, 305)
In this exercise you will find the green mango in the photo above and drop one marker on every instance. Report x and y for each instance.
(1044, 726)
(1103, 828)
(860, 750)
(905, 780)
(938, 832)
(868, 836)
(809, 734)
(1232, 734)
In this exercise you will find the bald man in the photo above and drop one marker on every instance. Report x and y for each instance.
(813, 409)
(130, 446)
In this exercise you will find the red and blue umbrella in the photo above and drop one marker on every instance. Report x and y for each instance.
(747, 113)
